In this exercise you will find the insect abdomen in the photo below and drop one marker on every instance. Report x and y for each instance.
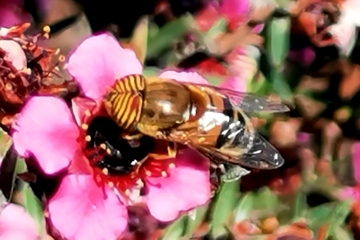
(234, 135)
(125, 101)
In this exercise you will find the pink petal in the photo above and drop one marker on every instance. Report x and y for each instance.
(10, 17)
(191, 77)
(11, 228)
(350, 192)
(98, 61)
(233, 8)
(4, 31)
(46, 129)
(79, 210)
(234, 83)
(303, 137)
(80, 106)
(356, 160)
(187, 187)
(14, 53)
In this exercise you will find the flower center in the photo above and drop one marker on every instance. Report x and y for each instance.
(116, 162)
(107, 151)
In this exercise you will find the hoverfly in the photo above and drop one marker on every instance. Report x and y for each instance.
(211, 120)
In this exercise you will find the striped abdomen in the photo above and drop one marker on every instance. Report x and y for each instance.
(125, 101)
(237, 133)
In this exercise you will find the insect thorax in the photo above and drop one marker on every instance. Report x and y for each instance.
(166, 104)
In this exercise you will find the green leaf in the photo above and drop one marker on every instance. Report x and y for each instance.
(175, 230)
(271, 202)
(5, 143)
(139, 38)
(153, 29)
(280, 85)
(244, 207)
(194, 219)
(223, 206)
(151, 71)
(33, 207)
(20, 165)
(341, 233)
(259, 86)
(214, 80)
(299, 205)
(278, 40)
(332, 214)
(338, 216)
(219, 27)
(166, 36)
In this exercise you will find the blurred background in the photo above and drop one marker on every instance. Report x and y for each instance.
(318, 138)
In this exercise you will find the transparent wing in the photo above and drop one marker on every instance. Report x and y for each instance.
(262, 155)
(248, 102)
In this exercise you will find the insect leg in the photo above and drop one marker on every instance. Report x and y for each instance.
(172, 149)
(232, 172)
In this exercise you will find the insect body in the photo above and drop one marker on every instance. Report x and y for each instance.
(209, 119)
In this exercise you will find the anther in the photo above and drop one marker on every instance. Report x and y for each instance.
(111, 184)
(103, 146)
(87, 113)
(27, 71)
(163, 173)
(105, 171)
(84, 126)
(148, 173)
(11, 75)
(46, 29)
(57, 51)
(108, 151)
(61, 58)
(57, 68)
(140, 183)
(8, 86)
(172, 165)
(88, 138)
(127, 192)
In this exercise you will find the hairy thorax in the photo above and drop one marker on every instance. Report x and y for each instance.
(166, 104)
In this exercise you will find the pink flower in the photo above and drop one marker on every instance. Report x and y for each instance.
(233, 9)
(90, 201)
(345, 30)
(356, 160)
(11, 13)
(13, 52)
(354, 192)
(16, 223)
(236, 12)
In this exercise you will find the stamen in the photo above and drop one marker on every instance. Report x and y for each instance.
(105, 171)
(103, 146)
(164, 174)
(62, 58)
(172, 165)
(84, 126)
(88, 138)
(111, 184)
(46, 29)
(87, 113)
